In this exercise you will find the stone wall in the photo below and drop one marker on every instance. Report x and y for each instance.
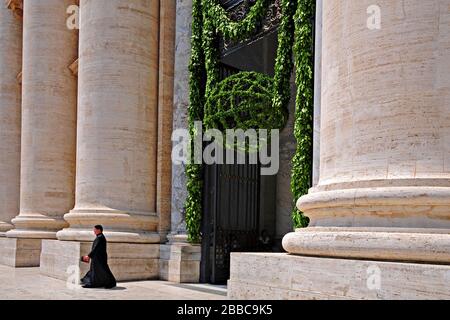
(288, 145)
(180, 110)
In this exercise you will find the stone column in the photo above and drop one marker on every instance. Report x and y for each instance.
(317, 91)
(48, 120)
(117, 122)
(48, 129)
(10, 113)
(180, 114)
(180, 261)
(165, 114)
(116, 141)
(382, 201)
(384, 187)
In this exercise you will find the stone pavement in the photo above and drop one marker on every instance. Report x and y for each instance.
(29, 284)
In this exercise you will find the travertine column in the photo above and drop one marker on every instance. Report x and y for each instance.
(180, 114)
(317, 92)
(48, 120)
(10, 105)
(179, 261)
(384, 188)
(165, 113)
(117, 122)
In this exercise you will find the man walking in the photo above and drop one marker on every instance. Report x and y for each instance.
(99, 275)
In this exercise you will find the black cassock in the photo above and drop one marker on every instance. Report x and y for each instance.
(99, 275)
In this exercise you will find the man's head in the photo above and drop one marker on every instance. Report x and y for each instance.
(98, 229)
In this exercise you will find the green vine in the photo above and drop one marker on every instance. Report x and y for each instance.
(194, 184)
(262, 100)
(232, 30)
(283, 63)
(303, 128)
(252, 111)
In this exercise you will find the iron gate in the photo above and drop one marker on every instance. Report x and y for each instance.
(230, 217)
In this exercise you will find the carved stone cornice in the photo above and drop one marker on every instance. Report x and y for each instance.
(16, 6)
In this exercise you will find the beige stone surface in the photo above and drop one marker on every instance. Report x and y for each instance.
(127, 261)
(20, 252)
(177, 238)
(384, 93)
(165, 112)
(16, 6)
(29, 284)
(117, 122)
(384, 136)
(180, 263)
(48, 120)
(253, 276)
(10, 116)
(418, 245)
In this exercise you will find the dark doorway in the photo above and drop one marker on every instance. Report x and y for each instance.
(231, 219)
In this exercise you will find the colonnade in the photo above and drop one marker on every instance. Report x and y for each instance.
(84, 149)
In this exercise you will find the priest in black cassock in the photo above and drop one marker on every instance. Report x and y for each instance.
(99, 275)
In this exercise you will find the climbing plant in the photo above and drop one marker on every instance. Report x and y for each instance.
(217, 16)
(303, 128)
(262, 100)
(193, 208)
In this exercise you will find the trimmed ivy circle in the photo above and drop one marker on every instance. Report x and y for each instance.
(243, 101)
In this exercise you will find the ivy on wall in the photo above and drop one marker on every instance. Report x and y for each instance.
(194, 183)
(262, 99)
(231, 30)
(303, 127)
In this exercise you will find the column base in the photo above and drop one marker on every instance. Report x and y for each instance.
(120, 226)
(180, 263)
(305, 278)
(392, 244)
(20, 252)
(128, 262)
(36, 226)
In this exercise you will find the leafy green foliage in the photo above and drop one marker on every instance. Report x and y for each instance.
(194, 183)
(303, 128)
(249, 99)
(242, 101)
(232, 30)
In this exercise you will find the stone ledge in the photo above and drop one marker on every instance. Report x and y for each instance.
(389, 245)
(297, 277)
(17, 253)
(5, 227)
(128, 262)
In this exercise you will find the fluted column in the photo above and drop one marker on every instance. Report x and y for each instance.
(384, 188)
(48, 120)
(10, 105)
(117, 122)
